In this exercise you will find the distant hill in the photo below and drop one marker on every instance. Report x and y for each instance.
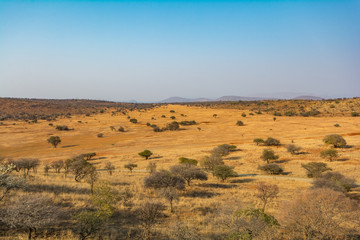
(237, 98)
(308, 98)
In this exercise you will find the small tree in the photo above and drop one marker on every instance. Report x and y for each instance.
(271, 142)
(109, 167)
(170, 194)
(8, 181)
(315, 169)
(57, 165)
(269, 154)
(293, 149)
(173, 126)
(149, 214)
(54, 140)
(209, 162)
(189, 173)
(224, 172)
(336, 140)
(259, 141)
(130, 166)
(146, 154)
(151, 167)
(266, 192)
(329, 154)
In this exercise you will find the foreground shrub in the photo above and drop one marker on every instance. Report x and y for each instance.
(271, 168)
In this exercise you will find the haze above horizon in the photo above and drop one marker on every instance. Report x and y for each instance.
(152, 50)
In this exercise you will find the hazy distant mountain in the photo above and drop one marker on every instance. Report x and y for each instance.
(181, 100)
(241, 98)
(308, 98)
(238, 98)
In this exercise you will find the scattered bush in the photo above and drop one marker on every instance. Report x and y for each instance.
(209, 162)
(271, 142)
(336, 140)
(133, 120)
(315, 169)
(100, 135)
(173, 126)
(223, 150)
(130, 166)
(109, 167)
(164, 179)
(188, 161)
(355, 114)
(62, 128)
(266, 192)
(329, 154)
(258, 141)
(243, 115)
(186, 123)
(335, 181)
(224, 172)
(271, 168)
(293, 149)
(239, 123)
(336, 125)
(188, 173)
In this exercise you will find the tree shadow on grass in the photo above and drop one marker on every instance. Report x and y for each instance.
(244, 180)
(200, 194)
(68, 146)
(217, 185)
(232, 158)
(57, 189)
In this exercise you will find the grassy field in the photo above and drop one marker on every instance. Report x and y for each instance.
(23, 140)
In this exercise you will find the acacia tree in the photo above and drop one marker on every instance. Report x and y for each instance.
(149, 214)
(188, 173)
(8, 181)
(170, 194)
(54, 140)
(31, 212)
(336, 140)
(315, 169)
(210, 162)
(266, 192)
(293, 149)
(329, 154)
(130, 166)
(163, 179)
(57, 165)
(146, 154)
(269, 154)
(109, 167)
(224, 172)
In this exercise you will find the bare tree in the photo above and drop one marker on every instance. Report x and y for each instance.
(171, 195)
(109, 167)
(188, 172)
(57, 165)
(266, 192)
(149, 214)
(163, 179)
(31, 212)
(320, 214)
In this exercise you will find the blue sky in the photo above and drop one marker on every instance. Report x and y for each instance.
(151, 50)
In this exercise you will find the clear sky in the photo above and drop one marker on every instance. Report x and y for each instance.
(151, 50)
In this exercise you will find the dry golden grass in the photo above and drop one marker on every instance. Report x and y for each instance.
(24, 140)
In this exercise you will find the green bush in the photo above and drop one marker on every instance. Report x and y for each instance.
(271, 168)
(271, 142)
(336, 140)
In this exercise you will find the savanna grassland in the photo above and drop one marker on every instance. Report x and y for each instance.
(211, 209)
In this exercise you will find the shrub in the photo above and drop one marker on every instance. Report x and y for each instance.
(277, 114)
(146, 154)
(355, 114)
(223, 149)
(172, 117)
(170, 194)
(163, 179)
(293, 149)
(315, 169)
(271, 168)
(133, 120)
(185, 123)
(336, 125)
(62, 128)
(290, 113)
(258, 141)
(269, 154)
(100, 135)
(335, 140)
(57, 165)
(243, 115)
(172, 111)
(130, 166)
(224, 172)
(121, 129)
(151, 167)
(271, 142)
(329, 154)
(149, 213)
(188, 173)
(173, 126)
(188, 161)
(109, 167)
(54, 140)
(239, 123)
(209, 162)
(335, 181)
